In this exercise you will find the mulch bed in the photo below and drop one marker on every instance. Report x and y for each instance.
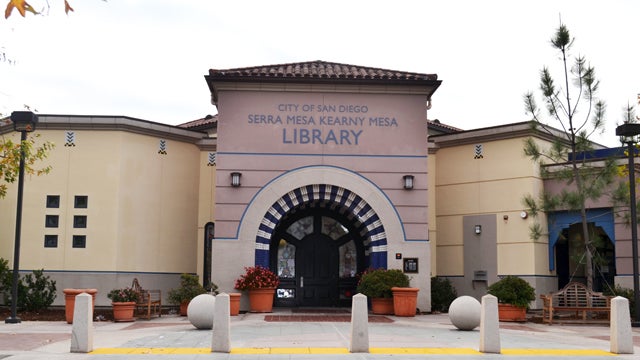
(53, 314)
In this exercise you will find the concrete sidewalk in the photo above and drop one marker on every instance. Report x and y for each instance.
(420, 337)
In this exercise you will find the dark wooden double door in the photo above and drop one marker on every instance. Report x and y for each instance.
(317, 266)
(322, 276)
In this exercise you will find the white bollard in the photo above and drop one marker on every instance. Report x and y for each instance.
(82, 330)
(489, 325)
(621, 334)
(359, 325)
(221, 341)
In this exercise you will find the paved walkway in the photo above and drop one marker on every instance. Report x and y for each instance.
(420, 337)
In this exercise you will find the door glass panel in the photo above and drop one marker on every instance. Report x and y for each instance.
(286, 259)
(333, 228)
(301, 228)
(348, 263)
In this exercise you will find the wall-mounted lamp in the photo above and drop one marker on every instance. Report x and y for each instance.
(408, 182)
(477, 229)
(235, 179)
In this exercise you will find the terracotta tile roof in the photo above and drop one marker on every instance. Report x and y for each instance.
(206, 121)
(317, 70)
(437, 125)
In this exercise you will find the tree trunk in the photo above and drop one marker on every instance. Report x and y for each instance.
(585, 226)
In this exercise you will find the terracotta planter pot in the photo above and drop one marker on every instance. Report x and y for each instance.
(508, 312)
(234, 303)
(123, 311)
(70, 301)
(405, 301)
(183, 307)
(382, 306)
(261, 300)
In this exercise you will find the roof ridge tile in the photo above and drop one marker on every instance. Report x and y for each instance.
(320, 69)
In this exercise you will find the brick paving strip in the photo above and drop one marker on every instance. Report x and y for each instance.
(25, 342)
(326, 318)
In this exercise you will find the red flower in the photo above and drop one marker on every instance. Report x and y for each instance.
(257, 277)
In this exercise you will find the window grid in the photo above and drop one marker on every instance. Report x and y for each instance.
(51, 221)
(51, 241)
(53, 201)
(79, 221)
(81, 202)
(79, 241)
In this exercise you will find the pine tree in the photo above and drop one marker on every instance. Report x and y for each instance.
(578, 112)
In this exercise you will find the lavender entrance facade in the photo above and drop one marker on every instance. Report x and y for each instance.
(322, 150)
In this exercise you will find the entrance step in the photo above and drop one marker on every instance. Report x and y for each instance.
(322, 318)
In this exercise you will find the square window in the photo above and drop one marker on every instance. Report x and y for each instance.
(51, 241)
(51, 221)
(79, 221)
(81, 202)
(79, 241)
(53, 201)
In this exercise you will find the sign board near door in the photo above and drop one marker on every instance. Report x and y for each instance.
(410, 265)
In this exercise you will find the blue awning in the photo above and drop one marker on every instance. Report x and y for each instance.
(563, 219)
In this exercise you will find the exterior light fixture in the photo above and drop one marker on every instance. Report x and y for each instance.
(477, 229)
(24, 122)
(235, 179)
(408, 182)
(628, 134)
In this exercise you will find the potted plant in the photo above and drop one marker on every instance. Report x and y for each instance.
(514, 295)
(123, 302)
(376, 285)
(261, 284)
(405, 300)
(189, 288)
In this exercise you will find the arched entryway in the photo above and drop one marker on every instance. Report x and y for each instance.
(318, 238)
(567, 248)
(571, 257)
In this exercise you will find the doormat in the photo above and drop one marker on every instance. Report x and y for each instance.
(320, 311)
(324, 318)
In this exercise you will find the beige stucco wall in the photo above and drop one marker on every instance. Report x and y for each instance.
(141, 216)
(206, 201)
(433, 230)
(493, 184)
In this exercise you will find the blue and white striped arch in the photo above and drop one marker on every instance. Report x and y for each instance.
(346, 201)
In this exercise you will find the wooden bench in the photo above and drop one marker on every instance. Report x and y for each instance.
(576, 298)
(149, 301)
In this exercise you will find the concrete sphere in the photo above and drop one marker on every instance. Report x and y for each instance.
(200, 311)
(464, 313)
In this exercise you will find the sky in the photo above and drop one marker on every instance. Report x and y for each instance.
(147, 58)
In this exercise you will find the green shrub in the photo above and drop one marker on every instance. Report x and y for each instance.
(513, 290)
(212, 289)
(36, 291)
(626, 293)
(378, 283)
(189, 288)
(442, 294)
(6, 278)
